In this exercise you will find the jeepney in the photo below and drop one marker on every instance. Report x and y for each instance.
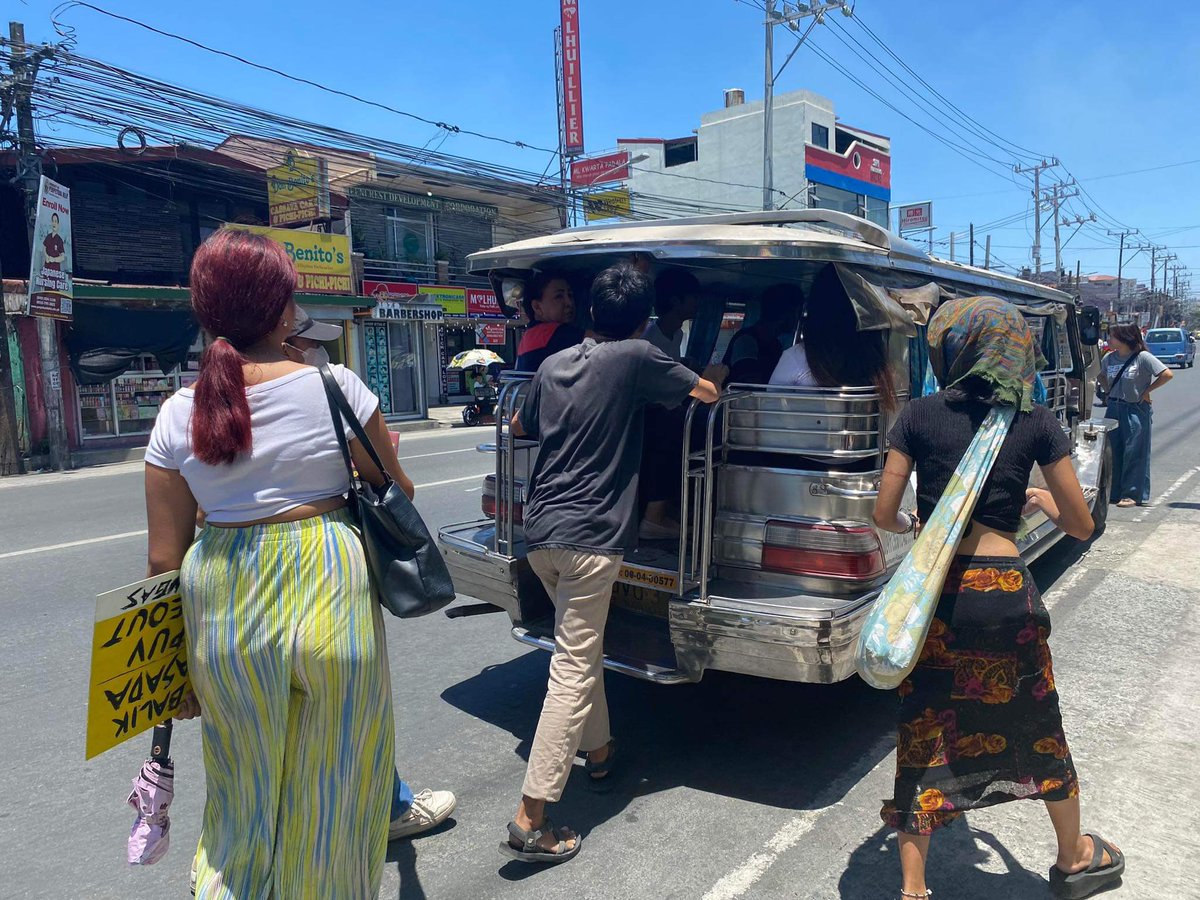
(778, 561)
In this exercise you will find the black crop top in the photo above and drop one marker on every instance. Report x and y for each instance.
(936, 431)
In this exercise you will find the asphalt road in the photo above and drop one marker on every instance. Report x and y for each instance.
(734, 787)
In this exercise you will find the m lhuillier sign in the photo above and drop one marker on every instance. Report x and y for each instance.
(572, 99)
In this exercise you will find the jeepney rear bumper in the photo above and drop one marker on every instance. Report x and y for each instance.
(809, 645)
(791, 639)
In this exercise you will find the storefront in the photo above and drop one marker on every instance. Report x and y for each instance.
(857, 181)
(129, 403)
(395, 340)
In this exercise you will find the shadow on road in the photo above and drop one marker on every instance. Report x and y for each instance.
(954, 854)
(752, 739)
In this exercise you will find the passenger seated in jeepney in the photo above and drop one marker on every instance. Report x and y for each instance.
(755, 350)
(832, 352)
(677, 296)
(550, 307)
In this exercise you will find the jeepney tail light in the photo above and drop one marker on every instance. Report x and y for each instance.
(823, 550)
(488, 501)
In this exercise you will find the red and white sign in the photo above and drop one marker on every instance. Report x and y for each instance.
(386, 290)
(916, 215)
(599, 169)
(861, 169)
(489, 335)
(482, 302)
(572, 99)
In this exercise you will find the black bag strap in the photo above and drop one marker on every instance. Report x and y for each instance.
(339, 407)
(1112, 386)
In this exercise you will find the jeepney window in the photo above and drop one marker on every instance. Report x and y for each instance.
(1065, 363)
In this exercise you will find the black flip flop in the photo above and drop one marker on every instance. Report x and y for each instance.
(1096, 876)
(527, 849)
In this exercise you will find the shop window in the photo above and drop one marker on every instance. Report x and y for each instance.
(460, 236)
(878, 211)
(129, 404)
(825, 197)
(392, 354)
(677, 153)
(410, 238)
(820, 136)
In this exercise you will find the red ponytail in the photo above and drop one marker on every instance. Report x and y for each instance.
(241, 285)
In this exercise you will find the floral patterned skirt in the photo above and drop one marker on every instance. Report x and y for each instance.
(979, 719)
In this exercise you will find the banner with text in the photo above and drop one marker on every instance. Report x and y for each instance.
(599, 169)
(298, 190)
(322, 260)
(490, 335)
(572, 88)
(139, 661)
(50, 286)
(914, 216)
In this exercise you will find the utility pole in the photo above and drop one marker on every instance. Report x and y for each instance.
(972, 236)
(790, 17)
(1121, 259)
(1055, 196)
(25, 64)
(1037, 170)
(987, 252)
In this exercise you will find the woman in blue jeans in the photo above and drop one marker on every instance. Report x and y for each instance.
(1128, 374)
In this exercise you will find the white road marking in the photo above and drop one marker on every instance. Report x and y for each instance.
(95, 540)
(439, 453)
(736, 883)
(129, 534)
(1162, 498)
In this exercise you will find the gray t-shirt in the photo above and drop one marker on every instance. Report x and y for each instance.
(1139, 376)
(585, 407)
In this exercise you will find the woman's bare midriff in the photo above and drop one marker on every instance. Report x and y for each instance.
(299, 513)
(984, 541)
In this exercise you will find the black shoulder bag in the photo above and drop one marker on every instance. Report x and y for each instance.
(407, 571)
(1121, 374)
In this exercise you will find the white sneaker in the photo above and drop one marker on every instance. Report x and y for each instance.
(192, 878)
(429, 809)
(654, 531)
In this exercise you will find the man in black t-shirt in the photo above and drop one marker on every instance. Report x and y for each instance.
(585, 408)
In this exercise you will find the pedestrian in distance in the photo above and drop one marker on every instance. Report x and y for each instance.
(585, 406)
(979, 720)
(1129, 373)
(285, 641)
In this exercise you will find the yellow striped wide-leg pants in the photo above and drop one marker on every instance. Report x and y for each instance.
(287, 658)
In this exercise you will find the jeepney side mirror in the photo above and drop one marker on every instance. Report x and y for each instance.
(1089, 325)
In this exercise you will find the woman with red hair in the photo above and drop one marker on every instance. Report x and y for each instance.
(285, 643)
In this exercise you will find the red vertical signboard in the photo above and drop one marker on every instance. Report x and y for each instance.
(572, 88)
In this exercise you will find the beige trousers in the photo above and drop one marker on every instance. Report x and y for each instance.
(575, 713)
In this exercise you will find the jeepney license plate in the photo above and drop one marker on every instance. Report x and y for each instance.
(651, 578)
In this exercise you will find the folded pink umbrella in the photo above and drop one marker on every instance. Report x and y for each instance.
(153, 791)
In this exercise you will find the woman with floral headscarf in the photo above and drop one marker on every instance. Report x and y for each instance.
(979, 718)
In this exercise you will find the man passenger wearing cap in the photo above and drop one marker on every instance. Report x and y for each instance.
(411, 813)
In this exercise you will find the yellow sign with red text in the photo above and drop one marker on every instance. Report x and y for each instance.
(322, 260)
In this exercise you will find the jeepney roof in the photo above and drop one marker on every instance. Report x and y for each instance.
(809, 234)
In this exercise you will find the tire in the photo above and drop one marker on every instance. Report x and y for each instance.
(1104, 496)
(470, 416)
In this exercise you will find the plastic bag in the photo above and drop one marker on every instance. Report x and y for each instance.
(895, 629)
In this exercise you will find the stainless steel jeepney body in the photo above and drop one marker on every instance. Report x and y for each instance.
(764, 458)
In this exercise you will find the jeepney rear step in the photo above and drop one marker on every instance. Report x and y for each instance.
(634, 644)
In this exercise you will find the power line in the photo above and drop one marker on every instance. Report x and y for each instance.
(451, 129)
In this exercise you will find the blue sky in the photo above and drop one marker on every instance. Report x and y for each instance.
(1105, 86)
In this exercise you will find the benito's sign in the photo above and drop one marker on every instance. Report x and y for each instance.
(298, 190)
(322, 260)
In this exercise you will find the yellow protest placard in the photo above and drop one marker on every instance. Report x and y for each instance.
(139, 661)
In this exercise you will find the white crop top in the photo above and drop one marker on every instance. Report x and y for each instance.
(294, 456)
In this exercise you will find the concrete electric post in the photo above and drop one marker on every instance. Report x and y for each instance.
(24, 65)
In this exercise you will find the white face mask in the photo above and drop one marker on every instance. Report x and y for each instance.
(316, 356)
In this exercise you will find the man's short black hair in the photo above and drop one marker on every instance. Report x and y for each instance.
(534, 288)
(622, 300)
(671, 286)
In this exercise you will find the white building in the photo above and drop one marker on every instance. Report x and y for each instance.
(818, 162)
